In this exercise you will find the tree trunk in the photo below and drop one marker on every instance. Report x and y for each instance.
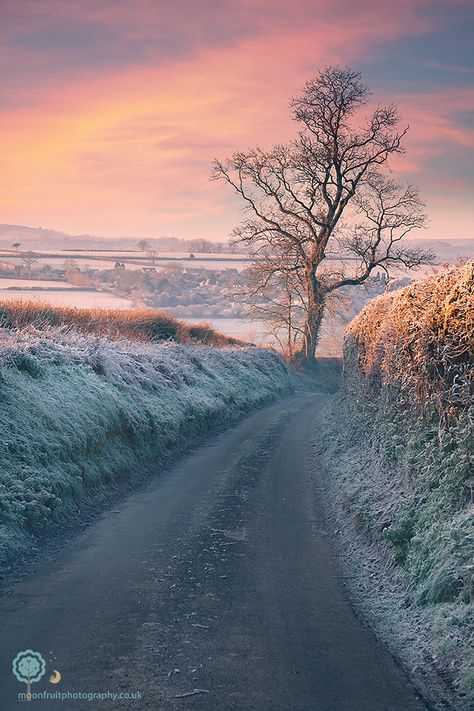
(306, 356)
(290, 330)
(311, 332)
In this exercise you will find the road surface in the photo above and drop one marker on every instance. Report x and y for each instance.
(213, 588)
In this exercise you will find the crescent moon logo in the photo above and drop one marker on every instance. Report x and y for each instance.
(55, 678)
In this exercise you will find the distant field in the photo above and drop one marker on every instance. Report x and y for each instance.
(58, 262)
(75, 297)
(253, 332)
(127, 253)
(133, 254)
(105, 259)
(7, 283)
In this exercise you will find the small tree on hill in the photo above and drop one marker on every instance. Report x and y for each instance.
(143, 245)
(324, 194)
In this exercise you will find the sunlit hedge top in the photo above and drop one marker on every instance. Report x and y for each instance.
(419, 339)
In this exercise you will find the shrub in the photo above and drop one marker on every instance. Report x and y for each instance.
(140, 325)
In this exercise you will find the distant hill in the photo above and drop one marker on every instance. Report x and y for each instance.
(37, 238)
(448, 250)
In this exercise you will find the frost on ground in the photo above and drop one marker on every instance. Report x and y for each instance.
(398, 446)
(79, 413)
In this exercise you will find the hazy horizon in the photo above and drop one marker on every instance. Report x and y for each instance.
(6, 228)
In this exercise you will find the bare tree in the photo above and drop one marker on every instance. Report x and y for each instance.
(143, 245)
(152, 255)
(325, 195)
(277, 301)
(29, 258)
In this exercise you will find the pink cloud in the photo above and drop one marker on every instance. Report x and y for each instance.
(126, 148)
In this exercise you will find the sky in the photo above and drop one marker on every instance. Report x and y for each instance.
(111, 111)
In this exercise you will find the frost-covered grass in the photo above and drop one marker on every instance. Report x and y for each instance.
(78, 413)
(399, 446)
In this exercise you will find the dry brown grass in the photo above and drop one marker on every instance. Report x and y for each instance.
(141, 325)
(420, 338)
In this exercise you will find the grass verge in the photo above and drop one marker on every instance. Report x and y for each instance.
(79, 412)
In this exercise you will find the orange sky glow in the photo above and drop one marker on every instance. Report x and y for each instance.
(113, 112)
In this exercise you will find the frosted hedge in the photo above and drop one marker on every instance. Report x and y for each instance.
(404, 454)
(79, 412)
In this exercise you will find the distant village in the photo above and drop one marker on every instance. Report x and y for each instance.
(182, 290)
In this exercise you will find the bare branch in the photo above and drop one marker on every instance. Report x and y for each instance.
(323, 194)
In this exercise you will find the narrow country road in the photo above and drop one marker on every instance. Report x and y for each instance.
(213, 588)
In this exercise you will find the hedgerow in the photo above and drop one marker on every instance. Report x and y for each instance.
(402, 450)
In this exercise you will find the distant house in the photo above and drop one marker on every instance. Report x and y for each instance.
(119, 265)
